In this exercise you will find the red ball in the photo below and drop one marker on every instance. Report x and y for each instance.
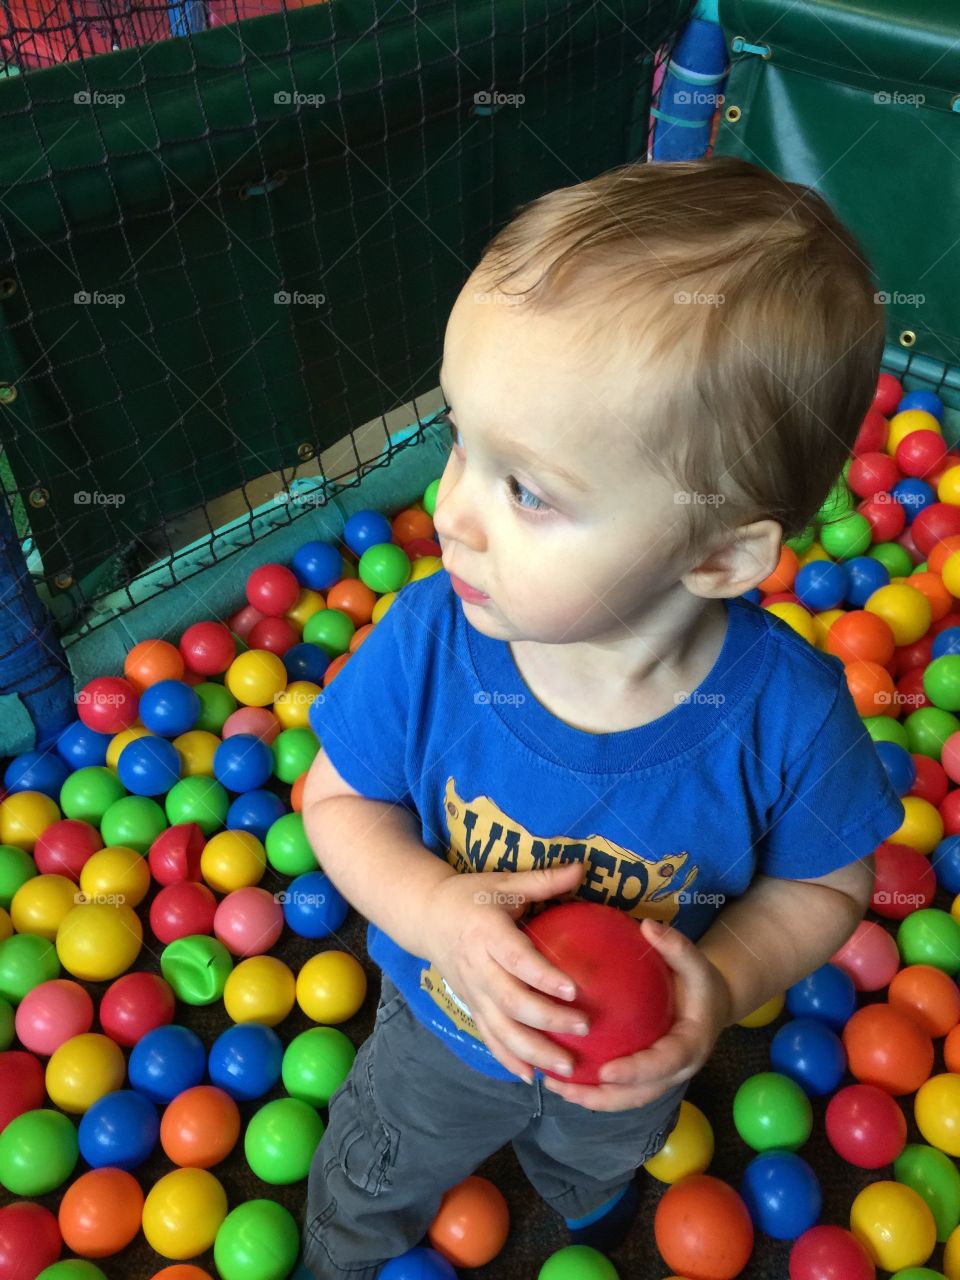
(949, 810)
(65, 846)
(182, 909)
(909, 694)
(243, 621)
(273, 589)
(931, 782)
(870, 957)
(905, 881)
(918, 654)
(781, 597)
(872, 435)
(108, 704)
(276, 635)
(589, 941)
(418, 547)
(885, 516)
(905, 540)
(175, 854)
(948, 620)
(208, 648)
(830, 1253)
(703, 1229)
(30, 1241)
(939, 520)
(135, 1004)
(21, 1085)
(888, 394)
(918, 453)
(865, 1126)
(873, 473)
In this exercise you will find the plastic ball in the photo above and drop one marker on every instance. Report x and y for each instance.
(42, 771)
(331, 630)
(688, 1149)
(930, 937)
(207, 648)
(149, 766)
(472, 1223)
(898, 766)
(385, 567)
(827, 994)
(38, 1152)
(261, 989)
(272, 589)
(313, 907)
(318, 565)
(175, 853)
(40, 905)
(120, 741)
(306, 662)
(79, 746)
(120, 1130)
(96, 941)
(182, 1271)
(21, 1085)
(259, 721)
(887, 1048)
(316, 1063)
(928, 996)
(197, 968)
(821, 584)
(905, 881)
(894, 1225)
(72, 1269)
(6, 1024)
(810, 1053)
(274, 635)
(772, 1111)
(166, 1061)
(107, 704)
(922, 826)
(182, 909)
(280, 1140)
(217, 704)
(132, 821)
(426, 1264)
(115, 876)
(26, 960)
(24, 816)
(200, 1127)
(905, 610)
(288, 849)
(782, 1194)
(830, 1253)
(703, 1229)
(331, 987)
(233, 860)
(366, 529)
(259, 1240)
(29, 1240)
(183, 1212)
(196, 750)
(100, 1212)
(16, 868)
(245, 1061)
(937, 1112)
(151, 661)
(256, 812)
(935, 1179)
(249, 921)
(135, 1004)
(293, 753)
(307, 604)
(199, 800)
(865, 1126)
(51, 1014)
(256, 677)
(870, 957)
(83, 1069)
(242, 762)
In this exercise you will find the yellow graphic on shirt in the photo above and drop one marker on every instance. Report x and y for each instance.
(484, 838)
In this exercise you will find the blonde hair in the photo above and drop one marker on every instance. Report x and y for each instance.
(751, 290)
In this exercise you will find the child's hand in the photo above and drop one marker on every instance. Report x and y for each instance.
(702, 1011)
(471, 935)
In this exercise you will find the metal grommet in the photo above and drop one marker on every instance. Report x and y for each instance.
(767, 54)
(8, 287)
(38, 497)
(305, 452)
(8, 393)
(732, 114)
(63, 580)
(908, 338)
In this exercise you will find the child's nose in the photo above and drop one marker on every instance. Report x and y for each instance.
(456, 515)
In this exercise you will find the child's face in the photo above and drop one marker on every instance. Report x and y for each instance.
(559, 563)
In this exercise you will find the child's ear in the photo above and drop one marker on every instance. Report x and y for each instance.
(743, 559)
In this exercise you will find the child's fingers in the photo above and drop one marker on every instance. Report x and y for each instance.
(502, 1054)
(525, 1044)
(514, 951)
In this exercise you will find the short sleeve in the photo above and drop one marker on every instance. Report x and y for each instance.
(361, 717)
(837, 803)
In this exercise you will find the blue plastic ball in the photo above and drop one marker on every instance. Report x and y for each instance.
(913, 495)
(166, 1061)
(149, 766)
(245, 1060)
(946, 864)
(80, 746)
(898, 764)
(317, 565)
(169, 708)
(366, 529)
(256, 812)
(821, 584)
(928, 401)
(827, 994)
(242, 762)
(946, 642)
(119, 1131)
(313, 907)
(306, 662)
(782, 1194)
(37, 771)
(865, 575)
(418, 1264)
(811, 1054)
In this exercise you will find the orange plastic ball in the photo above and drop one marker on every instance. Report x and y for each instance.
(182, 1271)
(703, 1229)
(942, 551)
(472, 1223)
(888, 1048)
(412, 523)
(863, 636)
(871, 687)
(927, 995)
(296, 792)
(355, 599)
(335, 666)
(783, 576)
(100, 1212)
(359, 636)
(200, 1127)
(151, 661)
(951, 1050)
(931, 584)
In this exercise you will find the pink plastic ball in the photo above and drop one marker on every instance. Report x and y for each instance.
(208, 648)
(244, 620)
(950, 752)
(182, 909)
(107, 704)
(51, 1014)
(175, 854)
(870, 957)
(64, 847)
(273, 589)
(260, 721)
(135, 1004)
(248, 921)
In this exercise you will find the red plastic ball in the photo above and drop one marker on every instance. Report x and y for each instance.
(182, 909)
(273, 589)
(830, 1253)
(865, 1126)
(905, 881)
(905, 540)
(913, 655)
(276, 635)
(888, 394)
(135, 1004)
(418, 547)
(30, 1240)
(873, 473)
(943, 624)
(870, 957)
(64, 847)
(587, 941)
(872, 435)
(919, 452)
(208, 648)
(931, 782)
(889, 1049)
(885, 516)
(939, 520)
(909, 693)
(949, 810)
(703, 1229)
(175, 854)
(21, 1085)
(108, 704)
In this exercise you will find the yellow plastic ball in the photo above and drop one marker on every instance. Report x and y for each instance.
(815, 551)
(260, 989)
(766, 1014)
(922, 826)
(688, 1149)
(116, 875)
(948, 486)
(308, 603)
(292, 707)
(901, 425)
(937, 1111)
(123, 739)
(40, 904)
(382, 605)
(951, 1255)
(232, 860)
(894, 1225)
(196, 748)
(82, 1070)
(905, 609)
(795, 616)
(6, 925)
(256, 677)
(822, 622)
(955, 908)
(331, 987)
(96, 942)
(950, 572)
(424, 567)
(183, 1212)
(24, 817)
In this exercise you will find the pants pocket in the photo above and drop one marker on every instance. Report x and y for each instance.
(367, 1146)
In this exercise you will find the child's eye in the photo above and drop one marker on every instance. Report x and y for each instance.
(519, 491)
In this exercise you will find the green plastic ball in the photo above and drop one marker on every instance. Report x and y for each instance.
(316, 1063)
(88, 793)
(134, 822)
(38, 1152)
(941, 682)
(7, 1025)
(886, 729)
(770, 1110)
(331, 630)
(895, 559)
(917, 1273)
(430, 497)
(928, 728)
(802, 541)
(16, 868)
(258, 1240)
(293, 753)
(281, 1139)
(837, 502)
(849, 536)
(930, 936)
(72, 1269)
(216, 704)
(385, 567)
(922, 567)
(578, 1262)
(26, 960)
(288, 849)
(934, 1177)
(198, 799)
(197, 968)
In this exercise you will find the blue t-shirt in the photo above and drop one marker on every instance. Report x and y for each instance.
(765, 768)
